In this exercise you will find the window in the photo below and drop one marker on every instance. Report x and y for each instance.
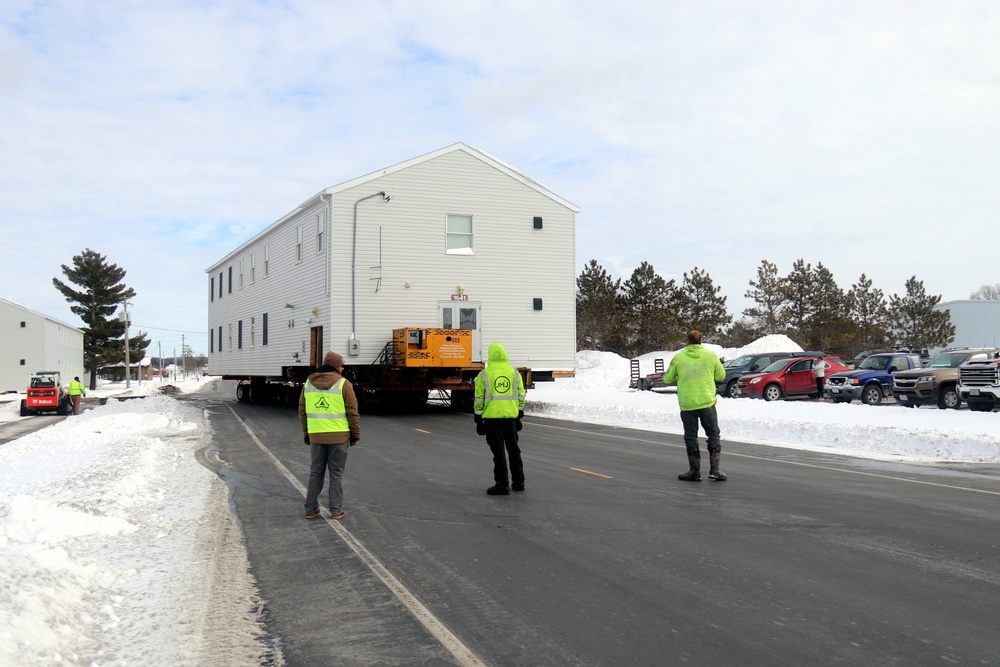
(267, 259)
(220, 287)
(263, 329)
(253, 323)
(253, 268)
(211, 339)
(239, 335)
(298, 244)
(230, 280)
(211, 292)
(230, 337)
(241, 273)
(320, 228)
(220, 338)
(22, 362)
(459, 234)
(24, 325)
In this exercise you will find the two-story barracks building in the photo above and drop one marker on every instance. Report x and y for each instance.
(451, 239)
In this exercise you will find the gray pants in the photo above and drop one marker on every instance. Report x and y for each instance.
(334, 459)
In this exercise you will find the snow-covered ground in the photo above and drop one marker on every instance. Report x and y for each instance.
(117, 547)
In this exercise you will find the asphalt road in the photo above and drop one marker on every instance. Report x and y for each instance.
(608, 559)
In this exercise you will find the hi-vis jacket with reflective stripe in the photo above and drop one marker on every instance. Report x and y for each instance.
(499, 387)
(76, 388)
(328, 409)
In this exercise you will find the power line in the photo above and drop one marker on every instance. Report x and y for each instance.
(180, 331)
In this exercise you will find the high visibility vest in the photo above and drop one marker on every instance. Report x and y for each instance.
(75, 388)
(502, 393)
(325, 411)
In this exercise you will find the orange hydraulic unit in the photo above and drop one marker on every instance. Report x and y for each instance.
(425, 348)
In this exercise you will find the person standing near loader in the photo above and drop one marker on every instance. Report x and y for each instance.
(328, 412)
(498, 407)
(696, 370)
(76, 392)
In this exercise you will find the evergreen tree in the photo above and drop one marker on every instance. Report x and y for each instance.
(701, 306)
(915, 323)
(987, 293)
(598, 323)
(830, 327)
(799, 289)
(768, 293)
(870, 315)
(648, 323)
(739, 333)
(99, 296)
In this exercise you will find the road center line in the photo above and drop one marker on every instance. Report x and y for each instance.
(777, 460)
(595, 474)
(453, 644)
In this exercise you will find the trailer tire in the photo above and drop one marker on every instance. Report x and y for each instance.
(242, 392)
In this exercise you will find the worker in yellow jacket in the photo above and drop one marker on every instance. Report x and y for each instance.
(76, 392)
(498, 408)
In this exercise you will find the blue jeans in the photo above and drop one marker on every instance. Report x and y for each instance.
(334, 459)
(709, 419)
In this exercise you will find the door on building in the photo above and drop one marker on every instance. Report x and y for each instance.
(316, 347)
(463, 315)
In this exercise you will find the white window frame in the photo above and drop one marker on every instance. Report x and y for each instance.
(298, 244)
(267, 259)
(253, 268)
(452, 236)
(320, 231)
(242, 261)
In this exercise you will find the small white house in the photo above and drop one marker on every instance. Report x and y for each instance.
(34, 342)
(977, 322)
(455, 238)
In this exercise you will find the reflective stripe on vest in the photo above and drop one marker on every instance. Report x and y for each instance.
(325, 411)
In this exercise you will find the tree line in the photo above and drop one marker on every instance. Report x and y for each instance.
(646, 313)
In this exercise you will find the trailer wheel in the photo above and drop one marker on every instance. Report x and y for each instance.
(243, 392)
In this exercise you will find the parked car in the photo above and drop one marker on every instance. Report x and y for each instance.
(937, 382)
(872, 379)
(747, 363)
(787, 377)
(979, 384)
(864, 354)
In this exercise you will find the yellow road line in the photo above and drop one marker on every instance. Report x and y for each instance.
(595, 474)
(420, 430)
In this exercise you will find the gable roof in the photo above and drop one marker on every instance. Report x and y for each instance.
(465, 148)
(25, 309)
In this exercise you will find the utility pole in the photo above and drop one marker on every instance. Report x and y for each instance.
(184, 357)
(159, 347)
(128, 374)
(175, 364)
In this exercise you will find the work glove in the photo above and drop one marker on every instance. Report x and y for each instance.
(305, 439)
(478, 418)
(518, 425)
(480, 427)
(520, 414)
(355, 441)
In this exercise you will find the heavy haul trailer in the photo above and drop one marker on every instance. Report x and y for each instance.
(386, 268)
(413, 365)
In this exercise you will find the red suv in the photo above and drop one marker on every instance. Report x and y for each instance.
(787, 377)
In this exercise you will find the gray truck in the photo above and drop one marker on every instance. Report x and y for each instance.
(937, 382)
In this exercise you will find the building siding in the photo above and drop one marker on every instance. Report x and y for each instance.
(404, 242)
(45, 344)
(977, 322)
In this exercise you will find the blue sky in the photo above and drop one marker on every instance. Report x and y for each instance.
(864, 135)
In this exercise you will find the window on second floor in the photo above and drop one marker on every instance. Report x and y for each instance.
(298, 244)
(460, 235)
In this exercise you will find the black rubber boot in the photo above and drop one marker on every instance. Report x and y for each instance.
(694, 474)
(498, 490)
(714, 472)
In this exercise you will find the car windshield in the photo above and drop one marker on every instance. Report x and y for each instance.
(875, 363)
(775, 366)
(948, 360)
(739, 362)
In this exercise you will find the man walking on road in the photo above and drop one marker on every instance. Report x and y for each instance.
(696, 371)
(76, 392)
(328, 412)
(498, 407)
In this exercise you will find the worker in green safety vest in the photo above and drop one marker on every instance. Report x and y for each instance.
(328, 412)
(498, 408)
(76, 392)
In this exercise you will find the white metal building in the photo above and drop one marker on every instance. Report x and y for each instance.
(454, 238)
(977, 322)
(34, 342)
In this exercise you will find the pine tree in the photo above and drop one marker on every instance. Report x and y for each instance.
(915, 323)
(768, 293)
(648, 323)
(870, 314)
(701, 306)
(598, 323)
(99, 296)
(800, 295)
(830, 326)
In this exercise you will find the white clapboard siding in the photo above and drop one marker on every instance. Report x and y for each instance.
(401, 269)
(40, 342)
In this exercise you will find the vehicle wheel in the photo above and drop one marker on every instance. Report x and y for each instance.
(63, 408)
(243, 392)
(872, 395)
(731, 389)
(948, 398)
(772, 392)
(24, 408)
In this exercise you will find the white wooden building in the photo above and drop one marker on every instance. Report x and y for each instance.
(454, 238)
(35, 342)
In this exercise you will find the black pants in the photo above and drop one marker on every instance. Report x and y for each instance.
(501, 436)
(709, 419)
